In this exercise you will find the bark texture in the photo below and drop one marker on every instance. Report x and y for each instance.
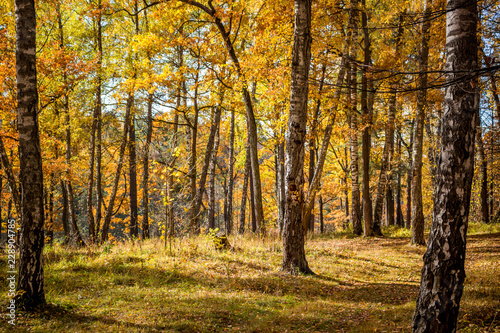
(443, 273)
(294, 257)
(30, 285)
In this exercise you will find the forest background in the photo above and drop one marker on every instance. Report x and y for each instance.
(164, 119)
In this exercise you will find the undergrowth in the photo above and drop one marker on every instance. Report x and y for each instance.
(361, 285)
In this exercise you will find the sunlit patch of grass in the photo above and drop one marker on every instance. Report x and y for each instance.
(361, 285)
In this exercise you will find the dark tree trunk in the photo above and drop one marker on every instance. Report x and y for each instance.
(9, 173)
(443, 273)
(211, 184)
(485, 217)
(243, 205)
(321, 222)
(366, 113)
(408, 179)
(134, 228)
(294, 258)
(417, 222)
(399, 211)
(30, 285)
(252, 202)
(93, 229)
(281, 170)
(145, 170)
(192, 162)
(230, 183)
(64, 217)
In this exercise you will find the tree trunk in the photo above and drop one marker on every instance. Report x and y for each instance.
(134, 228)
(9, 173)
(321, 222)
(30, 285)
(64, 217)
(93, 231)
(399, 211)
(145, 170)
(192, 162)
(280, 184)
(408, 179)
(485, 218)
(243, 205)
(211, 184)
(110, 211)
(443, 273)
(230, 184)
(294, 258)
(367, 125)
(417, 222)
(252, 199)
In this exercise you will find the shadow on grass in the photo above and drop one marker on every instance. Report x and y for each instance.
(60, 316)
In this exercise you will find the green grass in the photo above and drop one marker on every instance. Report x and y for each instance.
(362, 285)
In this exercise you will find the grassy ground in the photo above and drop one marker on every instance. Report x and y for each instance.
(362, 285)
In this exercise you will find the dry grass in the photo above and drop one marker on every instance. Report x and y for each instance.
(362, 285)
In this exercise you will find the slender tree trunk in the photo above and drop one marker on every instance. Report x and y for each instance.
(93, 231)
(280, 184)
(90, 182)
(50, 231)
(1, 205)
(9, 173)
(111, 205)
(399, 211)
(281, 172)
(252, 201)
(64, 217)
(443, 273)
(367, 125)
(409, 179)
(321, 222)
(30, 284)
(230, 187)
(134, 228)
(294, 258)
(485, 218)
(211, 184)
(417, 222)
(312, 142)
(145, 170)
(243, 205)
(346, 206)
(192, 162)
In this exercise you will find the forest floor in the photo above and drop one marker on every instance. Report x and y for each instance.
(362, 285)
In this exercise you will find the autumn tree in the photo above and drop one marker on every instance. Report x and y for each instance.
(443, 274)
(30, 287)
(294, 258)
